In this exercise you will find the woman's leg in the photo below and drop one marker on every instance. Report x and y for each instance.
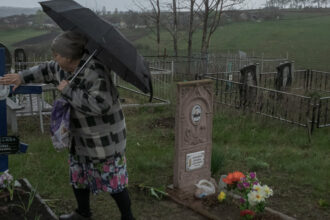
(124, 204)
(82, 197)
(83, 211)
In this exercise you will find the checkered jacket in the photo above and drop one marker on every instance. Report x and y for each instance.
(97, 122)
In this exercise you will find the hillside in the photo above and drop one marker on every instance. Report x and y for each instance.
(304, 37)
(9, 11)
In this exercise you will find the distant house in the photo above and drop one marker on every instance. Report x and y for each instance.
(138, 26)
(49, 25)
(122, 25)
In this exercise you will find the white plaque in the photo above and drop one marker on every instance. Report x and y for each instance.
(195, 160)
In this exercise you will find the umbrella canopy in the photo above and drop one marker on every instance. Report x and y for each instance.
(112, 48)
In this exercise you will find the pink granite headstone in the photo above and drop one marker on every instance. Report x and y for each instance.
(193, 133)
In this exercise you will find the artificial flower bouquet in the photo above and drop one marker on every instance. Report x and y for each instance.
(253, 194)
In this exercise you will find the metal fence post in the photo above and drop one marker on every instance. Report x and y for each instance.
(319, 106)
(3, 114)
(313, 115)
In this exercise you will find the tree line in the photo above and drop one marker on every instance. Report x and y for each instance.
(297, 3)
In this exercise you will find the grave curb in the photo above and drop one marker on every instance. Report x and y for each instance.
(40, 199)
(214, 217)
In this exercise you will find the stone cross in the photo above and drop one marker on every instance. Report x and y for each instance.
(193, 133)
(10, 144)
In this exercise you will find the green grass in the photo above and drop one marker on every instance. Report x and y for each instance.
(280, 153)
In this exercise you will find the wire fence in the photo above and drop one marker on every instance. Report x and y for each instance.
(304, 101)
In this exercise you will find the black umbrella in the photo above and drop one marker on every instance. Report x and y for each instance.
(105, 41)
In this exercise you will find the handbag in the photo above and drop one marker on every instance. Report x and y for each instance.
(60, 124)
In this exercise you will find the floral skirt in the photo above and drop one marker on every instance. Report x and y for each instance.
(109, 176)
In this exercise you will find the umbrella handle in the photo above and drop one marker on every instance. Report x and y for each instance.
(83, 66)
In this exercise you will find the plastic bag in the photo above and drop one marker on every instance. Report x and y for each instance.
(60, 124)
(204, 188)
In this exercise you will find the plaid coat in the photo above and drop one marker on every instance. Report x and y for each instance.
(97, 123)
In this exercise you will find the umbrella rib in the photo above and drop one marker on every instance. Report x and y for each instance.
(83, 66)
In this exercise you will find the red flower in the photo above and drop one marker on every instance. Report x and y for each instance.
(247, 212)
(233, 177)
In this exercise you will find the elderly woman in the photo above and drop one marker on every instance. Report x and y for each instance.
(97, 124)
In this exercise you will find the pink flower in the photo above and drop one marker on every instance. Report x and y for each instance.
(81, 180)
(239, 186)
(104, 188)
(122, 179)
(246, 184)
(253, 175)
(106, 168)
(75, 176)
(98, 183)
(114, 182)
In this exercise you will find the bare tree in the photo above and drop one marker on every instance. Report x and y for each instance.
(152, 17)
(169, 20)
(175, 28)
(211, 15)
(193, 7)
(191, 29)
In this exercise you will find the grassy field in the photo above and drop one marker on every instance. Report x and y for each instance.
(305, 39)
(9, 37)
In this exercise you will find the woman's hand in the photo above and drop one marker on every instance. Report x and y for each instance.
(62, 85)
(11, 79)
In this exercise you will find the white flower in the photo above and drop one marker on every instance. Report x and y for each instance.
(254, 197)
(257, 188)
(5, 179)
(267, 191)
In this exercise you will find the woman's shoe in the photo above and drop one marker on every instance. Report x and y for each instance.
(74, 216)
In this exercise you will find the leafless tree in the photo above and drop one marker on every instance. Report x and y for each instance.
(169, 21)
(193, 6)
(211, 15)
(152, 14)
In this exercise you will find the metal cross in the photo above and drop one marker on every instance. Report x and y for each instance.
(3, 117)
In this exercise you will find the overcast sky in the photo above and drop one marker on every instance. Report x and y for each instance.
(121, 5)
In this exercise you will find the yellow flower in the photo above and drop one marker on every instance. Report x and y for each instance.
(221, 196)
